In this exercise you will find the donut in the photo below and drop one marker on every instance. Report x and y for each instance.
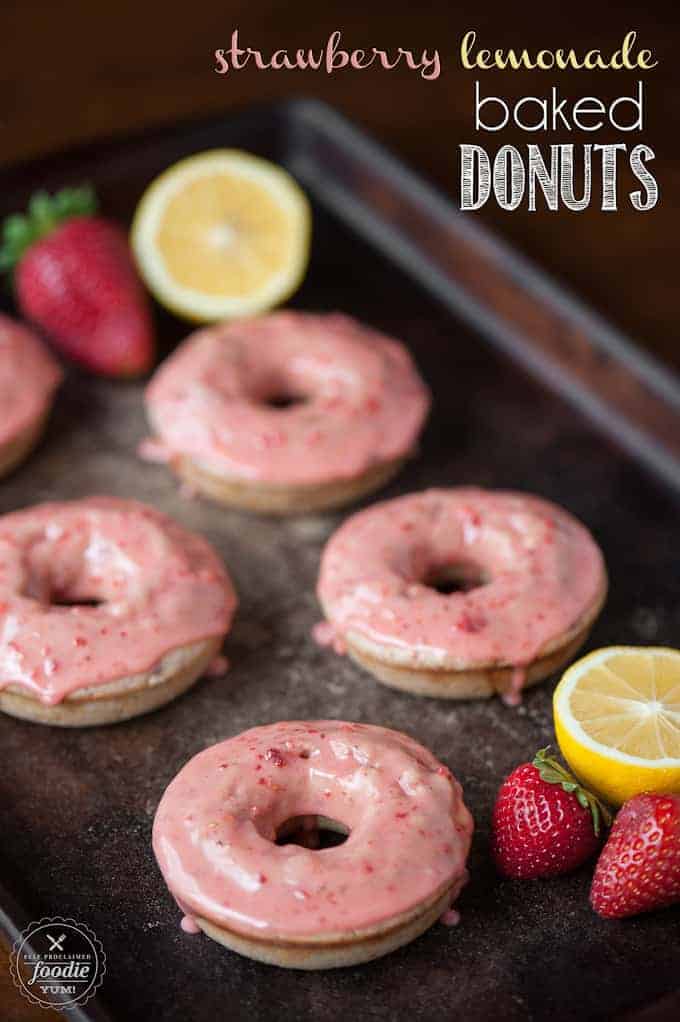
(29, 376)
(286, 413)
(407, 835)
(460, 593)
(108, 609)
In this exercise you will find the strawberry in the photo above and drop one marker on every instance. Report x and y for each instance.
(74, 277)
(544, 822)
(639, 867)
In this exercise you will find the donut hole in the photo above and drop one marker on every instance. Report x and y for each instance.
(64, 600)
(461, 577)
(278, 390)
(313, 832)
(283, 399)
(41, 587)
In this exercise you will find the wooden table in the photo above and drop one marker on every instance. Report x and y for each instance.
(78, 70)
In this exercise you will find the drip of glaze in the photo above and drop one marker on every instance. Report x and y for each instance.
(151, 449)
(323, 633)
(189, 926)
(513, 697)
(188, 491)
(450, 918)
(217, 667)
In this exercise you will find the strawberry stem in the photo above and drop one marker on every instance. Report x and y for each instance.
(552, 771)
(45, 212)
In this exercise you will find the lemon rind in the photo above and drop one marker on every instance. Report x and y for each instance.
(194, 305)
(562, 710)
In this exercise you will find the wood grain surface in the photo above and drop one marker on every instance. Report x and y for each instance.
(80, 70)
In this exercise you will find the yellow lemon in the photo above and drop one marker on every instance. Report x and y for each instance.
(617, 720)
(222, 234)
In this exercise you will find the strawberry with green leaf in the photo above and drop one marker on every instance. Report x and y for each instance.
(74, 277)
(544, 822)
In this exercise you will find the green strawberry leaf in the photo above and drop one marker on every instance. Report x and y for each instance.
(552, 772)
(45, 213)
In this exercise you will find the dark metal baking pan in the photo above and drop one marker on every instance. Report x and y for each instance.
(557, 403)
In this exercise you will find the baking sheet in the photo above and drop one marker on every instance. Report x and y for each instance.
(77, 806)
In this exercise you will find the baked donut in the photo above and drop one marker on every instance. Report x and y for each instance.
(286, 413)
(29, 376)
(219, 826)
(108, 609)
(460, 593)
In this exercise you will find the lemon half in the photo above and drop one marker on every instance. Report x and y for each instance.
(617, 720)
(222, 234)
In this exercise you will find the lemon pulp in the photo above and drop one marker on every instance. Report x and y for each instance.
(222, 234)
(617, 720)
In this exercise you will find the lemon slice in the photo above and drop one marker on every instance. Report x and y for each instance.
(617, 720)
(222, 234)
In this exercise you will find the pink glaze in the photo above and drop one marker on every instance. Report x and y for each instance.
(544, 572)
(160, 587)
(364, 402)
(450, 917)
(324, 634)
(153, 451)
(29, 375)
(217, 667)
(216, 825)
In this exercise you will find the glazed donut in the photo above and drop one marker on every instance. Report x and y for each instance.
(530, 581)
(108, 609)
(400, 868)
(286, 413)
(29, 376)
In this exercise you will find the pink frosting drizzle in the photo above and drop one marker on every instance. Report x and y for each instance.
(189, 926)
(29, 375)
(543, 567)
(324, 634)
(364, 402)
(450, 918)
(218, 667)
(160, 587)
(153, 451)
(216, 825)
